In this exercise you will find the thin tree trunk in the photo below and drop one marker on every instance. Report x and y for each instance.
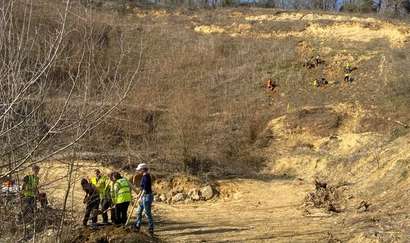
(70, 172)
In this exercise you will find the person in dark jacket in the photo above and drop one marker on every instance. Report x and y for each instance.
(145, 198)
(92, 201)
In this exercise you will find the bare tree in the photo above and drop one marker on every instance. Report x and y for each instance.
(58, 80)
(44, 75)
(394, 7)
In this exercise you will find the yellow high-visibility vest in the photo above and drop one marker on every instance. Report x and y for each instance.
(102, 185)
(30, 188)
(121, 191)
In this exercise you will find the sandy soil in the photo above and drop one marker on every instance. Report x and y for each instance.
(259, 211)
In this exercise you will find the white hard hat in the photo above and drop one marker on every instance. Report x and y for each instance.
(141, 167)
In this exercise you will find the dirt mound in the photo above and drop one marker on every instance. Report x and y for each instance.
(183, 188)
(108, 234)
(319, 121)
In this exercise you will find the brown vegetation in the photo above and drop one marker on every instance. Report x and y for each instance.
(199, 105)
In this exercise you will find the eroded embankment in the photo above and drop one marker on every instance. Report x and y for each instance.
(326, 28)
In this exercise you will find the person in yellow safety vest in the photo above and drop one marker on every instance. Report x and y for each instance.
(315, 83)
(103, 184)
(318, 60)
(348, 68)
(30, 191)
(320, 82)
(121, 197)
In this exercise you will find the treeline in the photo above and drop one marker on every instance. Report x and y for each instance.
(385, 7)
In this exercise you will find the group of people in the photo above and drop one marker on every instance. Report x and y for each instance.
(348, 69)
(113, 193)
(313, 62)
(104, 193)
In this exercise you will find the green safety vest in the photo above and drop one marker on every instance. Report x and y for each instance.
(30, 188)
(102, 185)
(121, 191)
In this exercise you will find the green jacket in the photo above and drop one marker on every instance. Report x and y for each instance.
(30, 187)
(121, 191)
(102, 185)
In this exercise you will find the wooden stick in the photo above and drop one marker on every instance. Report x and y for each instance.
(131, 212)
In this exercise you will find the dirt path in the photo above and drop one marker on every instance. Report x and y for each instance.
(259, 211)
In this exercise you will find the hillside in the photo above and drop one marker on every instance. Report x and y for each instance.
(200, 114)
(205, 72)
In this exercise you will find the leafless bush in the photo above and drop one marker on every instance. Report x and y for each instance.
(325, 196)
(52, 71)
(57, 82)
(12, 223)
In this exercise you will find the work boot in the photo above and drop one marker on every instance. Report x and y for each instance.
(136, 228)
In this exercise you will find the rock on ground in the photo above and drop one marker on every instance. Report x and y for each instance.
(178, 197)
(194, 194)
(207, 192)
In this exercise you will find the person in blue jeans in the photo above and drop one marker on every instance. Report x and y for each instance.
(145, 198)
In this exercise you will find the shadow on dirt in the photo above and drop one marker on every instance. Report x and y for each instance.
(263, 177)
(192, 228)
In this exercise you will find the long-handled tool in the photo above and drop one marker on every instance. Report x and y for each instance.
(132, 211)
(106, 211)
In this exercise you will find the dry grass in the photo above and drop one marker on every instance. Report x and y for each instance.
(201, 95)
(200, 105)
(208, 88)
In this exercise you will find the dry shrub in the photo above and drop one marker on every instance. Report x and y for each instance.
(188, 116)
(226, 47)
(13, 225)
(86, 61)
(325, 196)
(196, 166)
(63, 72)
(374, 124)
(319, 121)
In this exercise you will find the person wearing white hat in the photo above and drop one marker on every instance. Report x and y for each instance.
(145, 198)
